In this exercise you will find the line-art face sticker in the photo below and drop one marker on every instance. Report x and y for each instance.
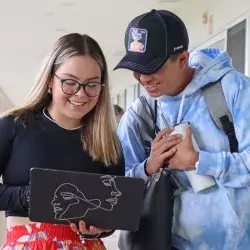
(68, 199)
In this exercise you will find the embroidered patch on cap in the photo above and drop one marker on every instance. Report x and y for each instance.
(137, 40)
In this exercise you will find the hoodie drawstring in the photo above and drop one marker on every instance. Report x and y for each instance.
(180, 109)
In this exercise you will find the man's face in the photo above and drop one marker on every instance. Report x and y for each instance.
(169, 80)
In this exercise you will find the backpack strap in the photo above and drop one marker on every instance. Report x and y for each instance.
(144, 111)
(219, 111)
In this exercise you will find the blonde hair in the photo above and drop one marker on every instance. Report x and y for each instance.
(99, 130)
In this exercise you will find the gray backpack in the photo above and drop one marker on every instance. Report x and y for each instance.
(143, 111)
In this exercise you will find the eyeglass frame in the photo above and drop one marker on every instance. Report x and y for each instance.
(80, 85)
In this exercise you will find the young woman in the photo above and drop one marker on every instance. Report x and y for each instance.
(67, 123)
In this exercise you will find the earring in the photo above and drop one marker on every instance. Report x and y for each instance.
(49, 90)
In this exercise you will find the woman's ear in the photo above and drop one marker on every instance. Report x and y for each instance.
(50, 85)
(49, 90)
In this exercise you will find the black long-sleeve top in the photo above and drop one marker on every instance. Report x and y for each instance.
(39, 142)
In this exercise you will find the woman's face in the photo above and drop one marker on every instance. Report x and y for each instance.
(68, 107)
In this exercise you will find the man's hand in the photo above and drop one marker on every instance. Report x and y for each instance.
(162, 148)
(185, 156)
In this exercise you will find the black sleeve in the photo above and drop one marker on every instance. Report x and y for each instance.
(11, 197)
(116, 169)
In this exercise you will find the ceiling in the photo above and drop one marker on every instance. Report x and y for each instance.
(30, 27)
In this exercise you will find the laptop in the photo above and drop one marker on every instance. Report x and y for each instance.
(104, 201)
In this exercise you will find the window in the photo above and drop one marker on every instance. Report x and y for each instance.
(218, 45)
(142, 91)
(115, 99)
(130, 96)
(122, 99)
(137, 89)
(236, 42)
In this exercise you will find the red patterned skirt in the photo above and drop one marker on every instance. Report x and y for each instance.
(43, 236)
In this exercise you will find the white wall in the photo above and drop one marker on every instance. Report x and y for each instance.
(224, 12)
(5, 102)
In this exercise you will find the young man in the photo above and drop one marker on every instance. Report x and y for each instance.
(219, 217)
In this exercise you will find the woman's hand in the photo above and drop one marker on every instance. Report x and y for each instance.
(91, 231)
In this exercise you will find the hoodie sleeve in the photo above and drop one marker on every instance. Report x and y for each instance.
(232, 169)
(133, 147)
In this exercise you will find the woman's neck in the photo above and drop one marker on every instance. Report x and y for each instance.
(62, 120)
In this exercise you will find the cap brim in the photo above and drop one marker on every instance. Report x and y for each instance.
(145, 65)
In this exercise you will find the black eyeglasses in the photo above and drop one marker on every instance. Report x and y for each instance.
(71, 87)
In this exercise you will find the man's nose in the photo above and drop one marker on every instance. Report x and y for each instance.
(144, 79)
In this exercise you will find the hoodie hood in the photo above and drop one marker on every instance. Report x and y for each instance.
(210, 65)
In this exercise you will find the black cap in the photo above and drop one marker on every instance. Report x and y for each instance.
(151, 39)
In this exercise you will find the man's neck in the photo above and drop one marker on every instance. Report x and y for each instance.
(188, 75)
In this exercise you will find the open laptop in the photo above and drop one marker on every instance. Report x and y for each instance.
(104, 201)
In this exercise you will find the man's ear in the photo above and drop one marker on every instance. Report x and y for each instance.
(183, 58)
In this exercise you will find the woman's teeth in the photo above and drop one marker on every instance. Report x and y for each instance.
(76, 103)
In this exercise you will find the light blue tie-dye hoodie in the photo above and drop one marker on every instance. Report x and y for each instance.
(218, 218)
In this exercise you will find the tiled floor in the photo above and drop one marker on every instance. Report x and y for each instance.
(111, 242)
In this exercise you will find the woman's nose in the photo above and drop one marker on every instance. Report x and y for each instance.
(81, 92)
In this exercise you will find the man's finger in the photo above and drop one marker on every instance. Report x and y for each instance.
(169, 145)
(166, 139)
(188, 136)
(162, 133)
(169, 153)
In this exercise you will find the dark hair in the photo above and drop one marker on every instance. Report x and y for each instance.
(118, 112)
(175, 56)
